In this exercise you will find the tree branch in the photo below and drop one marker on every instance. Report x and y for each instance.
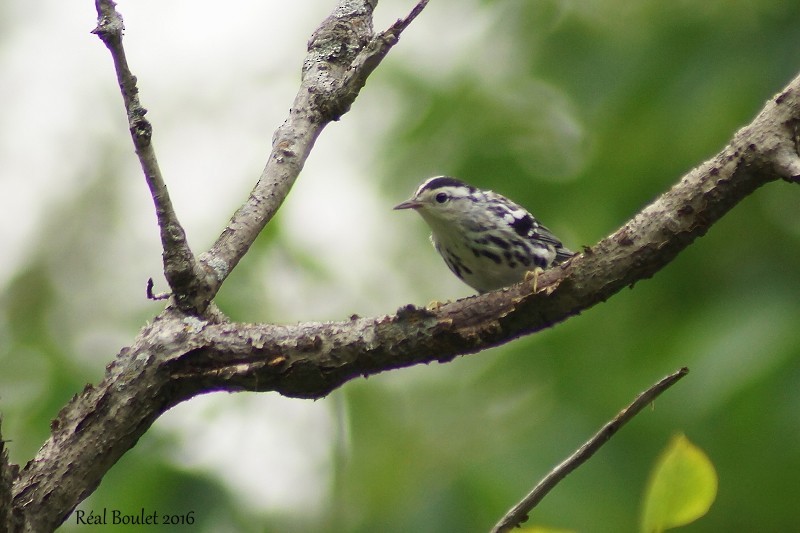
(342, 53)
(182, 270)
(309, 360)
(519, 513)
(103, 422)
(180, 355)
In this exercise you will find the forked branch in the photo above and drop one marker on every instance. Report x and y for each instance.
(342, 53)
(182, 270)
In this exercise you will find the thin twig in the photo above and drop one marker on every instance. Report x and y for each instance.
(181, 269)
(152, 295)
(373, 53)
(402, 24)
(519, 513)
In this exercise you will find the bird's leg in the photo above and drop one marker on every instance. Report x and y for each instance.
(434, 305)
(533, 276)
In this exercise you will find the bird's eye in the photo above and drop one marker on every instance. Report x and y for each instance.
(441, 197)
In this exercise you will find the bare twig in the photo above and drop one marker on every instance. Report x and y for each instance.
(343, 52)
(183, 272)
(371, 56)
(519, 513)
(152, 295)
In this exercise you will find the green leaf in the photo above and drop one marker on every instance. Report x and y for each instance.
(681, 489)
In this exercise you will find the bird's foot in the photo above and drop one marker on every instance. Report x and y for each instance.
(532, 277)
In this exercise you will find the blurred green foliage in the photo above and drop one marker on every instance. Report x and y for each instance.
(582, 111)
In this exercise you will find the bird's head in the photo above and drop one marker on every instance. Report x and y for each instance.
(442, 201)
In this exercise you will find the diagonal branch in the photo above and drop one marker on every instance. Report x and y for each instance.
(310, 360)
(343, 52)
(519, 513)
(181, 269)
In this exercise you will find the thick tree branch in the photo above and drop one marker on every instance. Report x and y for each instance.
(182, 270)
(180, 355)
(310, 360)
(342, 53)
(519, 513)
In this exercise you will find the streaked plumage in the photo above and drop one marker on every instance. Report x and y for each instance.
(487, 240)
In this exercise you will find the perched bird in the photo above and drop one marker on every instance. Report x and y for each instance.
(487, 240)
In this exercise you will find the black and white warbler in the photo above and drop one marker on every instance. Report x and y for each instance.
(487, 240)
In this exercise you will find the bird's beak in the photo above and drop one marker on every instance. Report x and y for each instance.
(408, 204)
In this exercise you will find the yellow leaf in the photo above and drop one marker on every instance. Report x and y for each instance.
(681, 488)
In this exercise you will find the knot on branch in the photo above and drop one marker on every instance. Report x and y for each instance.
(332, 49)
(140, 128)
(109, 24)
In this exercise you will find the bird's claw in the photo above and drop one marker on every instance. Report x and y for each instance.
(434, 305)
(532, 277)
